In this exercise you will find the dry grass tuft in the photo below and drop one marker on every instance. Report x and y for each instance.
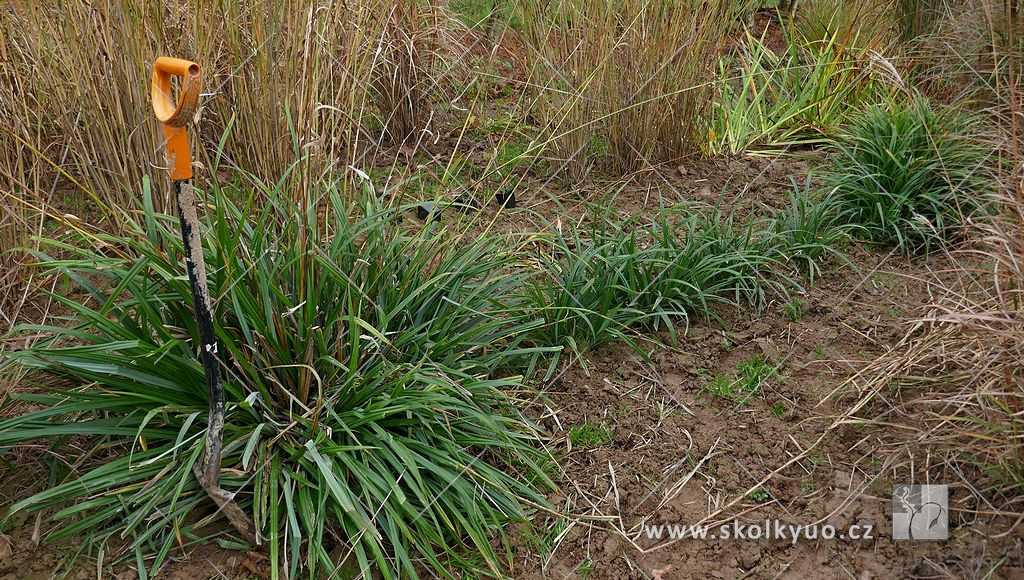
(970, 49)
(628, 79)
(284, 82)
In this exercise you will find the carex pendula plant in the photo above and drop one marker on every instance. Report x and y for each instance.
(367, 369)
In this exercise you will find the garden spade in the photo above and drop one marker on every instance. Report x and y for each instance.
(174, 116)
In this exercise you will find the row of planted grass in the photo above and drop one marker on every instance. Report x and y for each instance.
(371, 369)
(903, 174)
(612, 278)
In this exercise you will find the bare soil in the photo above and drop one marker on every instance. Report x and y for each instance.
(679, 454)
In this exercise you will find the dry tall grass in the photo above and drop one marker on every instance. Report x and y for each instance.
(959, 373)
(859, 26)
(969, 48)
(284, 81)
(628, 76)
(16, 167)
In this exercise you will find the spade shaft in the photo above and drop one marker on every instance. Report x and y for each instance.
(175, 115)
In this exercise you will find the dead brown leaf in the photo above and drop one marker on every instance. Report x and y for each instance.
(6, 548)
(659, 573)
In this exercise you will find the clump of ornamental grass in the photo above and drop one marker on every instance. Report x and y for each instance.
(706, 259)
(367, 425)
(582, 294)
(909, 175)
(604, 281)
(768, 102)
(831, 65)
(807, 231)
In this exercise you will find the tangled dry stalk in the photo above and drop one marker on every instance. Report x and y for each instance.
(955, 380)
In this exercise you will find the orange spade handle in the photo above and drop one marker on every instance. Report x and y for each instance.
(174, 116)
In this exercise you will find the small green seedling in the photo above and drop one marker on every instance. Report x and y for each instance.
(589, 435)
(750, 374)
(759, 495)
(721, 387)
(794, 309)
(754, 372)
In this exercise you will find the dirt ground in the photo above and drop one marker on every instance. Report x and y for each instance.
(679, 453)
